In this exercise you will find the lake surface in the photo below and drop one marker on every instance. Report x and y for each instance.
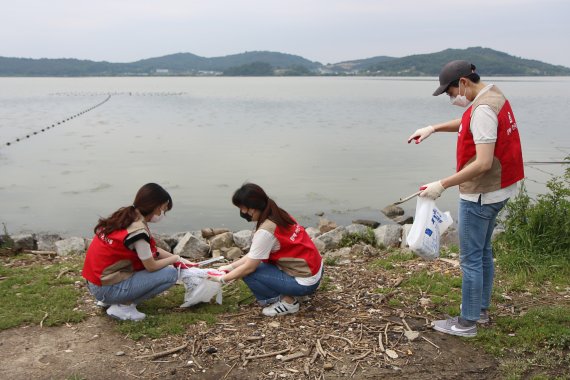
(332, 145)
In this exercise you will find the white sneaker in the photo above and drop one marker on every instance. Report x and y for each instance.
(281, 308)
(102, 304)
(125, 312)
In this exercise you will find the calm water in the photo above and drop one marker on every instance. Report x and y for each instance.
(332, 145)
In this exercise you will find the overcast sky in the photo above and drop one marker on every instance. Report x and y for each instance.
(327, 31)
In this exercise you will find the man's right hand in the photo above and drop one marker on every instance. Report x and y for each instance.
(421, 134)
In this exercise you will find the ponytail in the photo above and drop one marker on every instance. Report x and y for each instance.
(148, 198)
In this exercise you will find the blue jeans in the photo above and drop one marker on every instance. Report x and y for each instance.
(268, 283)
(141, 286)
(476, 224)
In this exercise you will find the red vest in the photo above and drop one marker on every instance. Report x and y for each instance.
(508, 162)
(108, 261)
(297, 255)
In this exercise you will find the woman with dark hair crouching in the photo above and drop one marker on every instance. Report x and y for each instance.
(123, 266)
(282, 263)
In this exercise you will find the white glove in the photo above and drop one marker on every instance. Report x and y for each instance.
(216, 279)
(432, 190)
(226, 268)
(421, 134)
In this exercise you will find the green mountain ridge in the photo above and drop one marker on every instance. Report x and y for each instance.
(489, 62)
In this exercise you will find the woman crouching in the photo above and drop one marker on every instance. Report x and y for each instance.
(282, 263)
(123, 266)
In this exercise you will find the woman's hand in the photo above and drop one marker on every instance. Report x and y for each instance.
(421, 134)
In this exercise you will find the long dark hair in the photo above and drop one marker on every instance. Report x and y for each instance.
(148, 198)
(253, 196)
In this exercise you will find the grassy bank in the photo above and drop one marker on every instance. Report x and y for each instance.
(529, 332)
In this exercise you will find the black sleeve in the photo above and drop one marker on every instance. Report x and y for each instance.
(135, 236)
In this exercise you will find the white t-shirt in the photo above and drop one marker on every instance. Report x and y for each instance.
(264, 242)
(484, 125)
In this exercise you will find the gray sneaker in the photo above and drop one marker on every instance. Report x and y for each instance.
(483, 316)
(454, 327)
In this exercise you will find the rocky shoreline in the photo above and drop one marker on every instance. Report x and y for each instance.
(215, 242)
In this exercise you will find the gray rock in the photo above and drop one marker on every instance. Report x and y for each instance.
(170, 240)
(367, 223)
(46, 242)
(192, 247)
(312, 232)
(333, 238)
(449, 237)
(496, 232)
(356, 229)
(405, 231)
(162, 244)
(363, 250)
(233, 253)
(242, 239)
(225, 240)
(388, 235)
(70, 246)
(321, 247)
(326, 225)
(24, 242)
(392, 210)
(402, 219)
(341, 253)
(209, 232)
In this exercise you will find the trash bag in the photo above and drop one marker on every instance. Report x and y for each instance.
(429, 223)
(198, 287)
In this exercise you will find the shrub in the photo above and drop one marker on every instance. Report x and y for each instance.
(537, 232)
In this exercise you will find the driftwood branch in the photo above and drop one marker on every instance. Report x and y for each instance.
(162, 353)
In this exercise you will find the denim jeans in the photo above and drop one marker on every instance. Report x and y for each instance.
(141, 286)
(476, 224)
(268, 283)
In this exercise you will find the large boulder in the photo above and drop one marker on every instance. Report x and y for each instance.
(70, 246)
(224, 240)
(326, 225)
(392, 211)
(333, 238)
(233, 253)
(209, 232)
(405, 231)
(162, 244)
(450, 237)
(313, 232)
(366, 222)
(46, 242)
(24, 242)
(388, 235)
(242, 239)
(358, 229)
(192, 247)
(321, 247)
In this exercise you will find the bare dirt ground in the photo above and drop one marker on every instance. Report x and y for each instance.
(347, 331)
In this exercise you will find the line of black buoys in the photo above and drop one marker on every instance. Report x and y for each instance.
(9, 143)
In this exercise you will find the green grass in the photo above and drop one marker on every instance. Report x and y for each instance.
(367, 237)
(33, 293)
(390, 262)
(443, 290)
(326, 284)
(164, 317)
(540, 339)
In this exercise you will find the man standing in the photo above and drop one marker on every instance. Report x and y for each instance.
(489, 165)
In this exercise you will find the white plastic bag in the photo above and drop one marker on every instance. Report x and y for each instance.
(429, 224)
(198, 287)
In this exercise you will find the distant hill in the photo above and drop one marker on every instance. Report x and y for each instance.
(489, 62)
(358, 65)
(174, 64)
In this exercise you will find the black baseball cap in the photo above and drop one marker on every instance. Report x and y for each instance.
(452, 71)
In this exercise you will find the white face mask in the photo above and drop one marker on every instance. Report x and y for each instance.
(157, 218)
(460, 100)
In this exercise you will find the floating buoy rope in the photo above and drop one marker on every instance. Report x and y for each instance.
(55, 124)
